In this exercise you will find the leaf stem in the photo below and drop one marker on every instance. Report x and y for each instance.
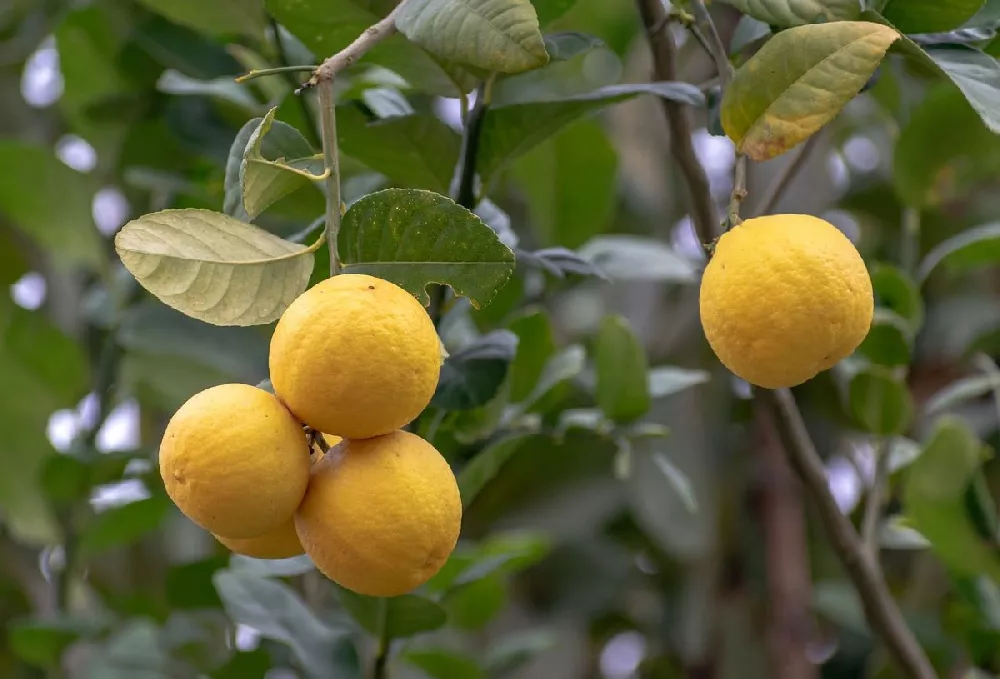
(875, 500)
(277, 70)
(370, 37)
(380, 666)
(307, 113)
(739, 191)
(331, 163)
(910, 247)
(703, 22)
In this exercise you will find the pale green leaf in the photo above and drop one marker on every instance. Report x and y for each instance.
(678, 481)
(569, 181)
(563, 46)
(785, 13)
(961, 391)
(636, 258)
(929, 16)
(888, 340)
(49, 202)
(213, 267)
(223, 89)
(265, 181)
(415, 238)
(896, 290)
(217, 17)
(667, 380)
(798, 82)
(493, 35)
(880, 403)
(622, 390)
(511, 131)
(969, 249)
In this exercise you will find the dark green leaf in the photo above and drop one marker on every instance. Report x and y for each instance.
(569, 181)
(563, 46)
(622, 389)
(636, 258)
(499, 36)
(880, 403)
(124, 524)
(190, 586)
(896, 290)
(404, 616)
(561, 367)
(65, 479)
(486, 465)
(416, 151)
(933, 499)
(49, 202)
(667, 380)
(415, 238)
(510, 653)
(253, 664)
(930, 16)
(534, 348)
(277, 612)
(785, 13)
(550, 10)
(220, 17)
(442, 664)
(970, 249)
(471, 377)
(888, 341)
(473, 606)
(42, 642)
(511, 131)
(960, 391)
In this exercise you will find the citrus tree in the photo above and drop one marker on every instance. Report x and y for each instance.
(499, 338)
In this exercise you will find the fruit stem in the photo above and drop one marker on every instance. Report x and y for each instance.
(739, 191)
(380, 667)
(331, 163)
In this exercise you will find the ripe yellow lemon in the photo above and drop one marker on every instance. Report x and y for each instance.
(355, 356)
(381, 515)
(235, 461)
(282, 542)
(783, 298)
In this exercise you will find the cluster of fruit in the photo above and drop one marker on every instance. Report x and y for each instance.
(784, 298)
(356, 358)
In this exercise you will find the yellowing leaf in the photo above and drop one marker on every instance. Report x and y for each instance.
(798, 82)
(787, 13)
(494, 35)
(213, 267)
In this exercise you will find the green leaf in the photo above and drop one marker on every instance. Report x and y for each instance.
(189, 586)
(415, 151)
(272, 568)
(678, 480)
(508, 654)
(511, 131)
(774, 102)
(896, 291)
(224, 89)
(219, 17)
(328, 26)
(415, 238)
(42, 642)
(564, 46)
(294, 166)
(550, 10)
(620, 360)
(442, 664)
(933, 499)
(960, 391)
(493, 35)
(213, 267)
(667, 380)
(561, 367)
(485, 466)
(560, 262)
(895, 533)
(570, 185)
(889, 339)
(274, 610)
(635, 258)
(970, 249)
(748, 31)
(785, 13)
(124, 524)
(929, 16)
(49, 202)
(471, 377)
(534, 348)
(473, 606)
(137, 644)
(403, 616)
(943, 149)
(880, 403)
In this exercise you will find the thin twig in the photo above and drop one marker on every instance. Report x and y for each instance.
(661, 43)
(331, 163)
(277, 70)
(307, 112)
(704, 23)
(739, 191)
(883, 615)
(380, 666)
(776, 190)
(370, 37)
(910, 249)
(875, 500)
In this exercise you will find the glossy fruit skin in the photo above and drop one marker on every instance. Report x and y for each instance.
(783, 298)
(356, 356)
(381, 515)
(235, 461)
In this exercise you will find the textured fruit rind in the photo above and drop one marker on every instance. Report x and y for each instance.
(381, 515)
(783, 298)
(235, 461)
(280, 543)
(355, 356)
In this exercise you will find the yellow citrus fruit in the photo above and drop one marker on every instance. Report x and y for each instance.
(235, 461)
(356, 356)
(282, 542)
(381, 515)
(783, 298)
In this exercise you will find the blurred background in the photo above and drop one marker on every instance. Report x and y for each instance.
(635, 554)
